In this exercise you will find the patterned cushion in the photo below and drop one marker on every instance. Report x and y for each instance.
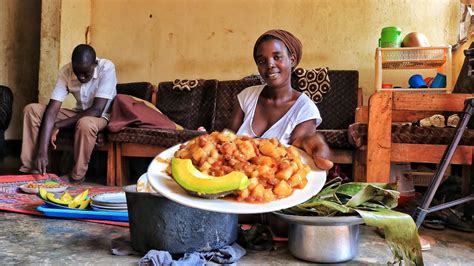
(185, 84)
(159, 137)
(313, 82)
(227, 91)
(142, 90)
(6, 102)
(190, 109)
(336, 139)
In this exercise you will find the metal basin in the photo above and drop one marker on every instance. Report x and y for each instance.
(159, 223)
(323, 239)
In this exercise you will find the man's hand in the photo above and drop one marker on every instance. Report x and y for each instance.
(315, 146)
(54, 135)
(42, 163)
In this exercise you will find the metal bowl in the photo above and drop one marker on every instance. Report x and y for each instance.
(323, 239)
(159, 223)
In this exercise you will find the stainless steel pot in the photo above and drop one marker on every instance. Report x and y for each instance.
(159, 223)
(323, 239)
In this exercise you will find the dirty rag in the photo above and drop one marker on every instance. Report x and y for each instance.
(225, 255)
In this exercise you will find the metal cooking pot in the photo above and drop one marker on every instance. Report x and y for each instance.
(159, 223)
(323, 239)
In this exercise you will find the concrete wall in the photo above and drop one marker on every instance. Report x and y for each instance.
(19, 55)
(64, 25)
(156, 40)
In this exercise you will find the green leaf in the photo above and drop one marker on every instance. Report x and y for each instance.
(374, 193)
(373, 202)
(400, 233)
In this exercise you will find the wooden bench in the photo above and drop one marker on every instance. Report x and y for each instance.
(386, 107)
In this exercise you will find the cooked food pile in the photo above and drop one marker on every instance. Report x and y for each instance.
(273, 170)
(43, 185)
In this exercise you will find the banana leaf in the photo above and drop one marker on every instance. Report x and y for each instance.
(400, 233)
(322, 207)
(373, 202)
(376, 194)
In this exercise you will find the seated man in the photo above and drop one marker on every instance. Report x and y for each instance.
(92, 82)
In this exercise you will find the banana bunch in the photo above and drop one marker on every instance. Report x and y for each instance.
(80, 201)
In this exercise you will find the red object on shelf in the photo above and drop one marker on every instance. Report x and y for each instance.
(428, 81)
(387, 86)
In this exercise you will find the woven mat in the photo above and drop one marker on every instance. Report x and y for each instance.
(12, 199)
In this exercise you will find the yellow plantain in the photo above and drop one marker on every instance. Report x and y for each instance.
(43, 193)
(85, 203)
(66, 197)
(51, 197)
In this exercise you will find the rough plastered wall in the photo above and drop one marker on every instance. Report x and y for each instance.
(157, 40)
(50, 43)
(19, 55)
(64, 25)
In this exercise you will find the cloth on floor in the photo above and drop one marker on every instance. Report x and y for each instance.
(225, 255)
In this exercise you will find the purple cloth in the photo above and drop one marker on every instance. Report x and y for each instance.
(225, 255)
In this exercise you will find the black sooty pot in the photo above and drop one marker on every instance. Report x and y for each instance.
(159, 223)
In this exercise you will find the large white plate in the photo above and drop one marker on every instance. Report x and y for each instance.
(26, 189)
(110, 198)
(166, 186)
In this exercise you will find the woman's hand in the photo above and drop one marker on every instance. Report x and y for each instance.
(315, 146)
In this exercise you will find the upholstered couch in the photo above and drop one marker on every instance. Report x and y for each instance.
(65, 140)
(209, 105)
(6, 102)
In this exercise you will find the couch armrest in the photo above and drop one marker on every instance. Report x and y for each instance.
(6, 102)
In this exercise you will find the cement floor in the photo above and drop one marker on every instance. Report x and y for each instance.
(32, 240)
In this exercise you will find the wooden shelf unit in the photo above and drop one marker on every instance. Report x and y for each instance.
(436, 57)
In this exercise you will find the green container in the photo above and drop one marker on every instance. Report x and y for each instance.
(390, 37)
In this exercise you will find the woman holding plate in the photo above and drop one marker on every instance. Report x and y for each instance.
(276, 110)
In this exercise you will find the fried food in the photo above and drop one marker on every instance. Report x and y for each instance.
(274, 170)
(43, 185)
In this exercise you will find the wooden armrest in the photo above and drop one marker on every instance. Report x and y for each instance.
(154, 92)
(360, 97)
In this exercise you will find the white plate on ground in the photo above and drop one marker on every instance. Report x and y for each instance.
(94, 207)
(109, 207)
(36, 190)
(101, 205)
(110, 199)
(166, 186)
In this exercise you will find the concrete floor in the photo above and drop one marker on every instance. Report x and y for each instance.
(26, 239)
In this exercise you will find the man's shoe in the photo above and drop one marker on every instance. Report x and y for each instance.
(71, 181)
